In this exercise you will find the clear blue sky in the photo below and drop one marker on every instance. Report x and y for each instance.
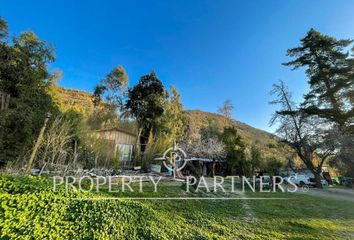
(210, 50)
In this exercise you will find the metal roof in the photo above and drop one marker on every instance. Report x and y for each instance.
(117, 130)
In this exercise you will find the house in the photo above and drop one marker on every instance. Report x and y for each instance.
(122, 141)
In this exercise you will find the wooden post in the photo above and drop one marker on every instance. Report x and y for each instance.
(75, 152)
(36, 146)
(213, 168)
(2, 101)
(7, 101)
(173, 159)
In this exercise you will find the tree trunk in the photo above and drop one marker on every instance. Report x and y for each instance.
(144, 138)
(195, 173)
(318, 179)
(138, 137)
(213, 168)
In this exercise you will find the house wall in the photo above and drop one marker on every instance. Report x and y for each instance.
(120, 140)
(118, 137)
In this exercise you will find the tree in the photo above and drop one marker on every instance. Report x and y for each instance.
(207, 148)
(306, 134)
(3, 28)
(108, 99)
(145, 104)
(113, 87)
(25, 77)
(211, 130)
(171, 124)
(226, 109)
(255, 158)
(169, 127)
(211, 148)
(235, 151)
(344, 160)
(273, 166)
(330, 71)
(104, 115)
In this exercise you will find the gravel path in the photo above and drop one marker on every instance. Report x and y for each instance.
(250, 215)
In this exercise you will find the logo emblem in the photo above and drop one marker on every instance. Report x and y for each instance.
(174, 159)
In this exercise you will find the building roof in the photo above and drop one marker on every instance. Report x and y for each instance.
(117, 130)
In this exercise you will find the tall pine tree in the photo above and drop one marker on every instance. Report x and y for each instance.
(330, 75)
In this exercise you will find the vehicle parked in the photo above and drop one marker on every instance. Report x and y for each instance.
(347, 181)
(302, 179)
(299, 179)
(323, 181)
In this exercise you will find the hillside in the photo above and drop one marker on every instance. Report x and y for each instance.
(73, 99)
(267, 142)
(195, 120)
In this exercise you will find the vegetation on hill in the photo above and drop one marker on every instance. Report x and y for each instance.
(266, 142)
(194, 121)
(71, 99)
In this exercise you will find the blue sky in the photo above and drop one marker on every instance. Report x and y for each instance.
(210, 50)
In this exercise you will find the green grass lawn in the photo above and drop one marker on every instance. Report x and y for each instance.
(30, 210)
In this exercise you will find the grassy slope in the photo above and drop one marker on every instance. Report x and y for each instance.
(31, 211)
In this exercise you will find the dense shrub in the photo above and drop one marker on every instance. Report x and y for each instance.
(31, 210)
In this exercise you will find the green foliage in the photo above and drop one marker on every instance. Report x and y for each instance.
(171, 123)
(256, 159)
(116, 80)
(156, 146)
(331, 77)
(273, 166)
(235, 148)
(196, 120)
(103, 116)
(108, 99)
(145, 100)
(30, 209)
(316, 126)
(211, 130)
(71, 100)
(145, 104)
(39, 213)
(113, 87)
(23, 76)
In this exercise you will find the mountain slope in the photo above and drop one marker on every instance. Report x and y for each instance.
(267, 142)
(77, 100)
(195, 120)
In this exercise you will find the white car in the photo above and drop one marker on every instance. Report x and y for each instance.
(299, 179)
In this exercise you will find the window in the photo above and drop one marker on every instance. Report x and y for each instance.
(126, 151)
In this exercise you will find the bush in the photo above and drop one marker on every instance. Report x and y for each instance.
(31, 210)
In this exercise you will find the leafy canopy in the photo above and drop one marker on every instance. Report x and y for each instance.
(25, 78)
(330, 72)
